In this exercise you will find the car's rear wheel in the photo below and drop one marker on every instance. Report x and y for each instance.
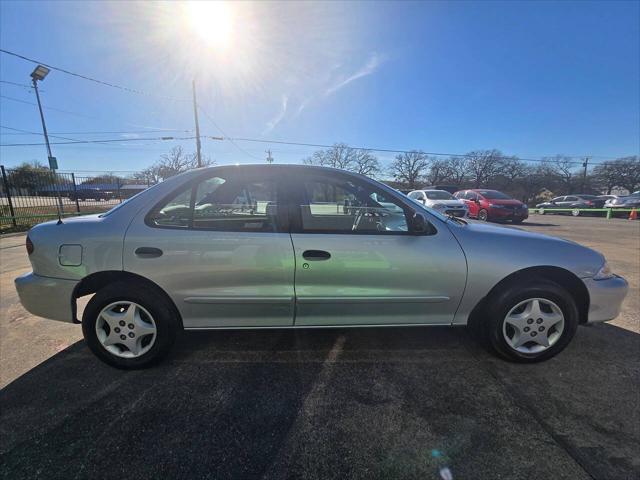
(575, 212)
(541, 211)
(129, 326)
(483, 215)
(533, 321)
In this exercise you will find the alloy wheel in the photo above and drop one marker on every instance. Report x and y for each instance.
(126, 329)
(533, 325)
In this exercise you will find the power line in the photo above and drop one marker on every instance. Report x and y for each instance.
(47, 108)
(130, 132)
(86, 77)
(226, 137)
(110, 140)
(28, 132)
(387, 150)
(24, 85)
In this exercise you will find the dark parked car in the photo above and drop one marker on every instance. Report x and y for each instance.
(575, 203)
(91, 194)
(493, 205)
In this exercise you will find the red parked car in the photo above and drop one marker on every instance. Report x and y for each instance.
(493, 205)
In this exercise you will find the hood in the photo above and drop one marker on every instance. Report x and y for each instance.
(521, 249)
(446, 203)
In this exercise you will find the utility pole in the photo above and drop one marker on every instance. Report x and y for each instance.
(585, 165)
(40, 73)
(195, 114)
(269, 157)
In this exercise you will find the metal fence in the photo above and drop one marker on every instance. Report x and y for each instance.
(33, 196)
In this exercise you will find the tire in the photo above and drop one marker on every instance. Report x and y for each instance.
(517, 221)
(575, 212)
(155, 323)
(541, 211)
(548, 294)
(483, 215)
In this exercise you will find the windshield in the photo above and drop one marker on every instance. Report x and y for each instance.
(494, 195)
(439, 195)
(587, 197)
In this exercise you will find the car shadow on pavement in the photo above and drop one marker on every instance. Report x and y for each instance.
(359, 403)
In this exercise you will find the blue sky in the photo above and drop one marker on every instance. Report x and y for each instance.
(529, 78)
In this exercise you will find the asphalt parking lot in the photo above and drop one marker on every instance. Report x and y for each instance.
(362, 403)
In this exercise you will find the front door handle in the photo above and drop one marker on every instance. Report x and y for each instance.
(313, 255)
(148, 252)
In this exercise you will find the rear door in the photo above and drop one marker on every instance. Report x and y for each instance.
(358, 263)
(220, 248)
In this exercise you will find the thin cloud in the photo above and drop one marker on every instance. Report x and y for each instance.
(370, 67)
(277, 118)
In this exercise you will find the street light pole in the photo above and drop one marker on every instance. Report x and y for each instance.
(195, 113)
(39, 74)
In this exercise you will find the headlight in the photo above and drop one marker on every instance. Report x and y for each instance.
(604, 272)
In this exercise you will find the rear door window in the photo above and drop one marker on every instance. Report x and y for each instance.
(232, 204)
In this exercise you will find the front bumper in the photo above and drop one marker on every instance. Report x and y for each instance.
(508, 214)
(47, 297)
(605, 297)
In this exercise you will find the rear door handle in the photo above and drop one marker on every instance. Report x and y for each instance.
(148, 252)
(313, 255)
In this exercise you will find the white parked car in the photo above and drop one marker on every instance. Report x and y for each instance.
(440, 200)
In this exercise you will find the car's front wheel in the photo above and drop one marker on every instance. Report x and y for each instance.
(483, 215)
(532, 322)
(129, 326)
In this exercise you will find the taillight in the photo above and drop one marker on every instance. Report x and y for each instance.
(29, 245)
(589, 202)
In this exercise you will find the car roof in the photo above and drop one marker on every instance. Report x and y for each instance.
(264, 168)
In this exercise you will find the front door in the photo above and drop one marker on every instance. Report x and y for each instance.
(471, 199)
(221, 249)
(358, 263)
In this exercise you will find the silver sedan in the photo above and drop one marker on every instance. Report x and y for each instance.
(285, 246)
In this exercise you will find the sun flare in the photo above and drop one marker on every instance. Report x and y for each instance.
(212, 22)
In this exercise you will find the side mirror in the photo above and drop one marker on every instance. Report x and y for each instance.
(419, 224)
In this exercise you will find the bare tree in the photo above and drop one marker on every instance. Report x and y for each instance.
(530, 181)
(563, 169)
(456, 169)
(483, 165)
(339, 155)
(606, 176)
(623, 172)
(438, 172)
(365, 163)
(408, 168)
(631, 173)
(170, 164)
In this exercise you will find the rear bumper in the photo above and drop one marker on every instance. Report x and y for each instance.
(47, 297)
(606, 298)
